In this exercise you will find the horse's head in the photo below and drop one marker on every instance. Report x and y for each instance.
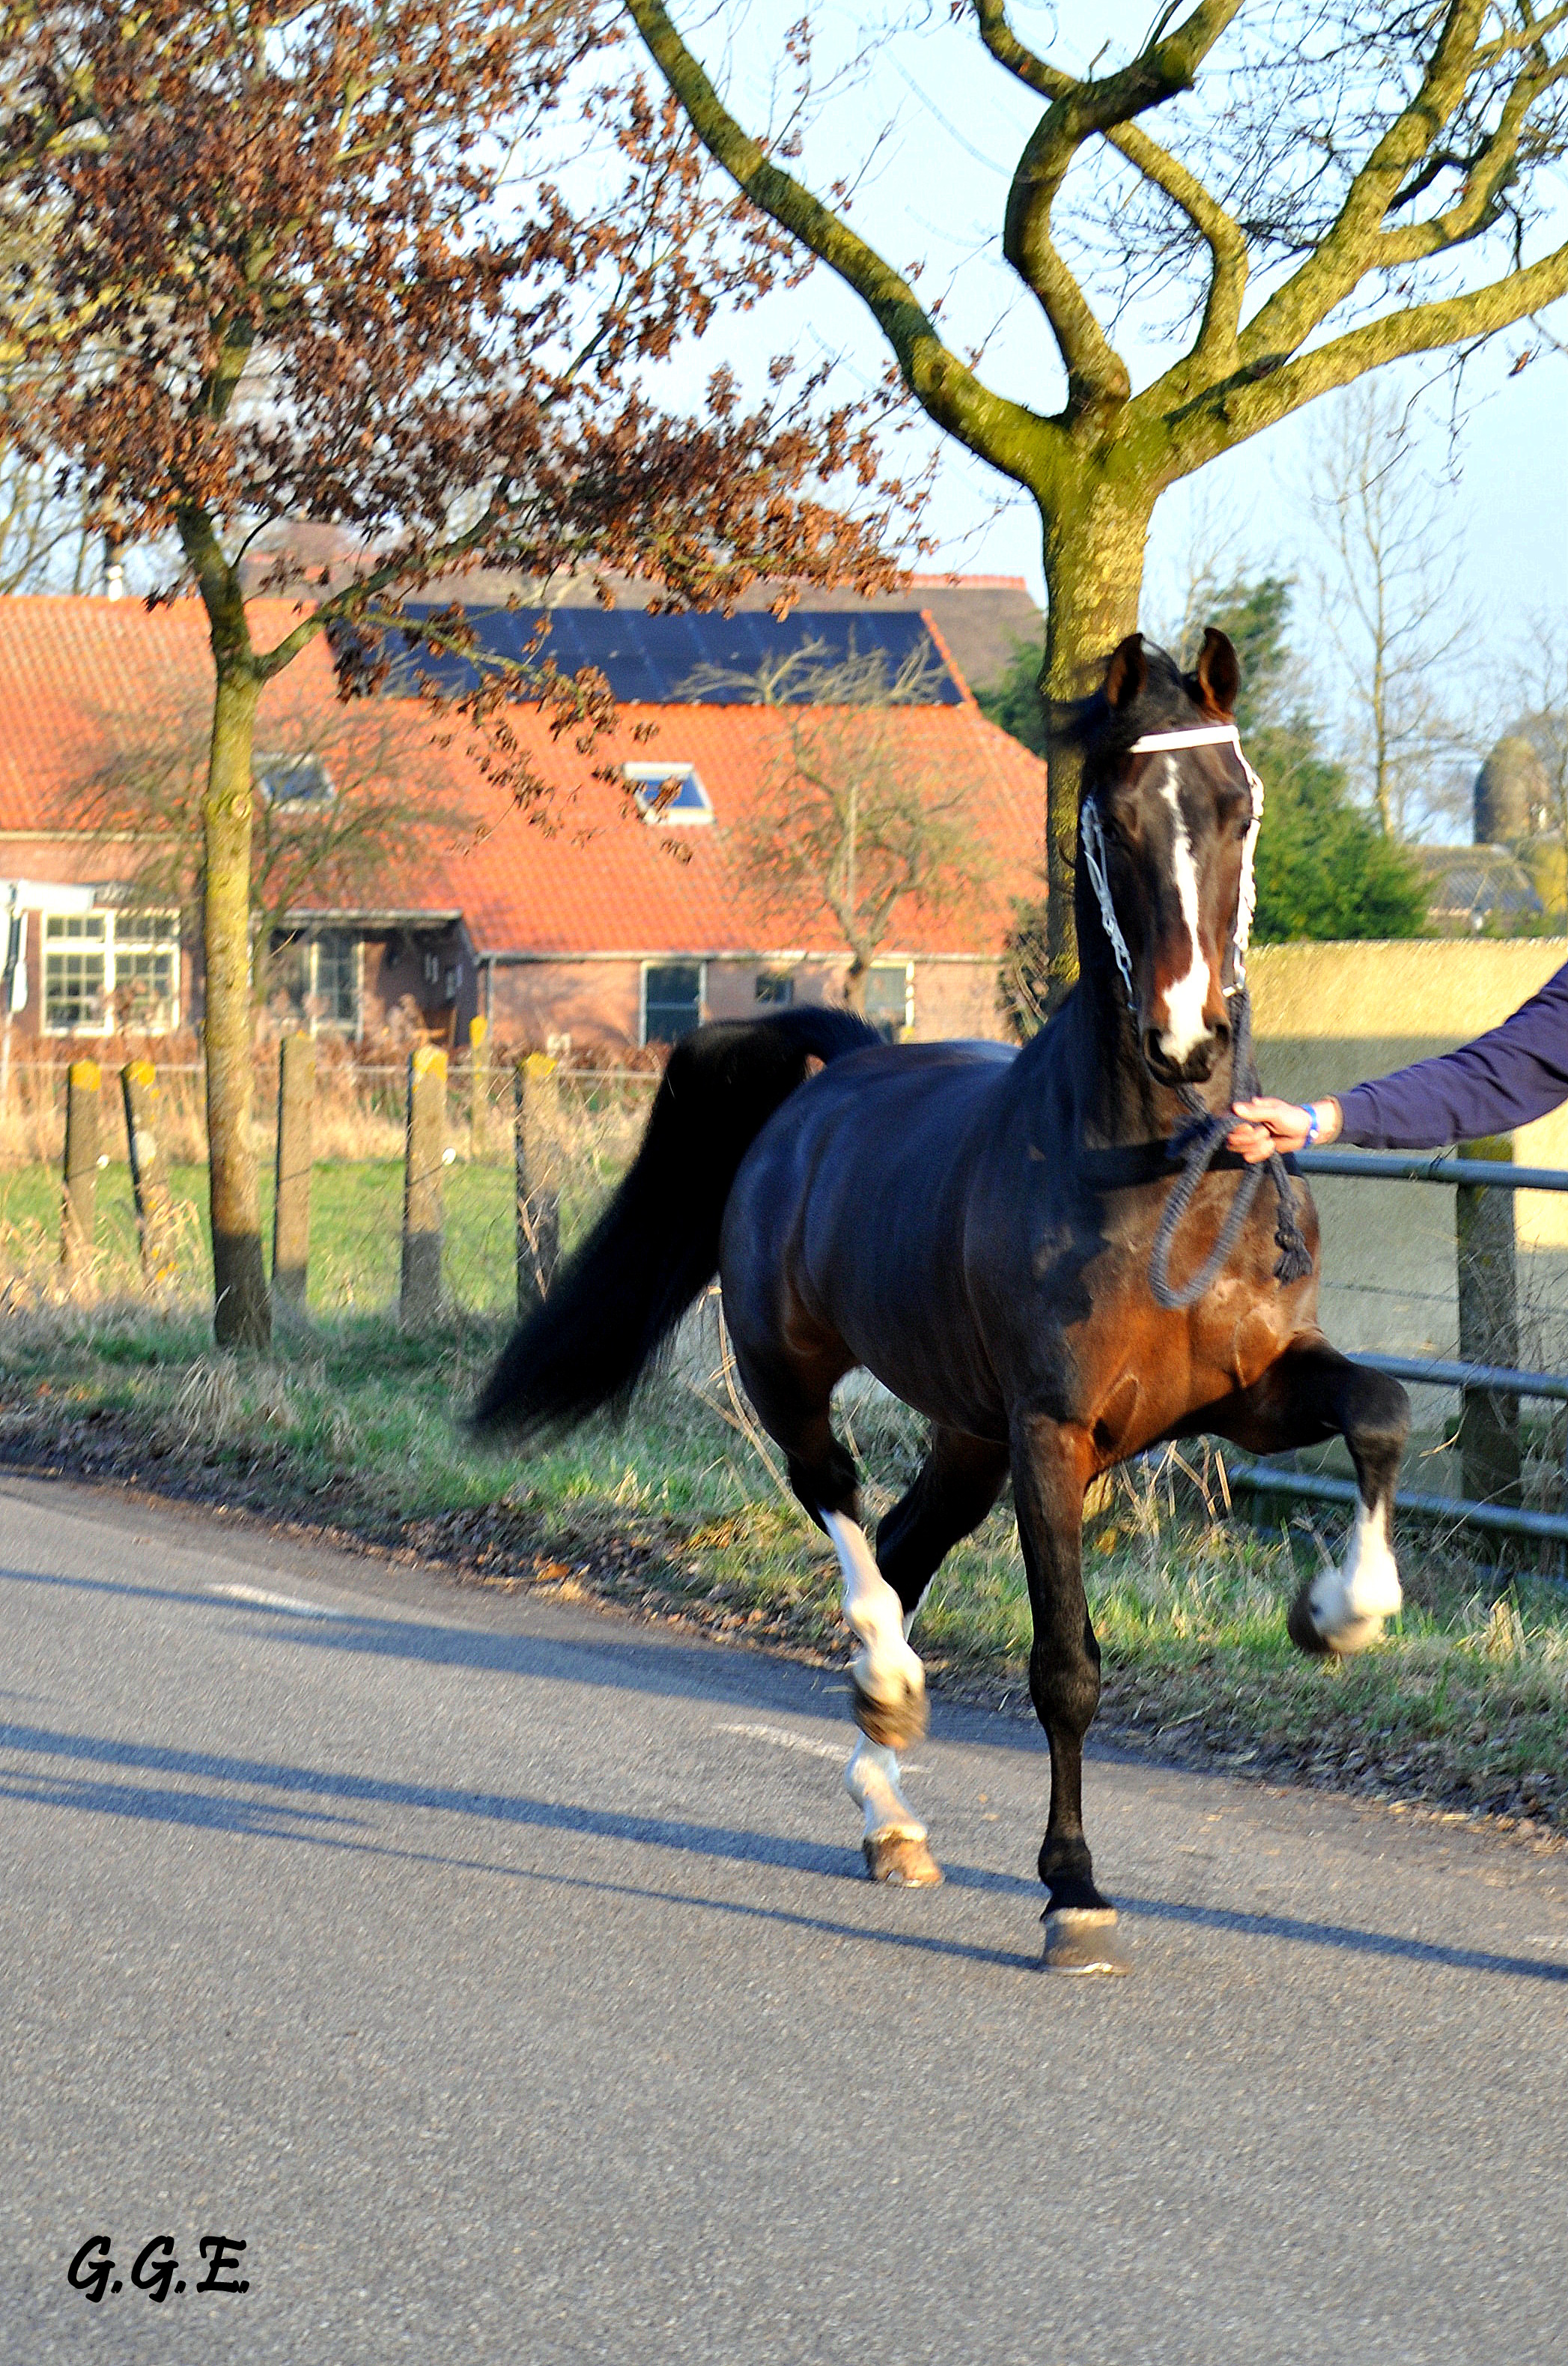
(1166, 818)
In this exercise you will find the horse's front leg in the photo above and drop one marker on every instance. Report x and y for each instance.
(1310, 1393)
(1050, 1468)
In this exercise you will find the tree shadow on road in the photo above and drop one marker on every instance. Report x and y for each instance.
(339, 1827)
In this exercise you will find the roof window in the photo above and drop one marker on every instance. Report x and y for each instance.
(299, 782)
(670, 795)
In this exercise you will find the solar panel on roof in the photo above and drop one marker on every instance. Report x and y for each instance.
(651, 660)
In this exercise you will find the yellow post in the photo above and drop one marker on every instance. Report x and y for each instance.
(80, 1210)
(149, 1171)
(422, 1174)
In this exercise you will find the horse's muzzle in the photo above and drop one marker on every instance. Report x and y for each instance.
(1199, 1063)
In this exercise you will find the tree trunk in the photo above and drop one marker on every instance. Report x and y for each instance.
(241, 1312)
(1094, 543)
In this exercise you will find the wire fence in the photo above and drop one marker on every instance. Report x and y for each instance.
(585, 1128)
(1406, 1315)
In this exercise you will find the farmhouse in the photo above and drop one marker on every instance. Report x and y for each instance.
(619, 912)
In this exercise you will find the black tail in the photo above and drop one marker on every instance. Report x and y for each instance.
(618, 1298)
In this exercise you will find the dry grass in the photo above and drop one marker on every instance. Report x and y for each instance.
(584, 1134)
(359, 1109)
(351, 1427)
(685, 1510)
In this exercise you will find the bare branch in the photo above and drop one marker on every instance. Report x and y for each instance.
(1097, 376)
(1010, 438)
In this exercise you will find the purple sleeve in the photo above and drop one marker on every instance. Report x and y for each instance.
(1504, 1078)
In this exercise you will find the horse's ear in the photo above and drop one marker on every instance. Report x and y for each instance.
(1218, 675)
(1125, 674)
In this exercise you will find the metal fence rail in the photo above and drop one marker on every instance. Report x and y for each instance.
(1429, 1167)
(1477, 1378)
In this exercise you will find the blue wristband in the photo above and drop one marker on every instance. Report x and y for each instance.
(1311, 1115)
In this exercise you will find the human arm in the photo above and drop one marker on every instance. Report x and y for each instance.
(1513, 1074)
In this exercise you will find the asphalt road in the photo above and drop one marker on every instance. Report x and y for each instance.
(500, 1972)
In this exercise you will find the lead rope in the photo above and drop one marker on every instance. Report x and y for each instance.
(1198, 1143)
(1198, 1147)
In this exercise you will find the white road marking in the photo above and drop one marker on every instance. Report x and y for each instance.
(264, 1601)
(782, 1741)
(1185, 1027)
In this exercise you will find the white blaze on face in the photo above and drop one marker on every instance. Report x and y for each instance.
(1186, 1026)
(1349, 1604)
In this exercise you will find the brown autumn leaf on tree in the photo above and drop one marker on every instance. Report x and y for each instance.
(401, 269)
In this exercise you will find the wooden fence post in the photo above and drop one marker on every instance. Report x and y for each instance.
(148, 1171)
(478, 1088)
(80, 1209)
(1488, 1329)
(422, 1174)
(538, 1200)
(291, 1198)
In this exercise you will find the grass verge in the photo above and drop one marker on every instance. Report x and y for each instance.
(351, 1429)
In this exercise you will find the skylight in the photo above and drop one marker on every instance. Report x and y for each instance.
(300, 781)
(670, 796)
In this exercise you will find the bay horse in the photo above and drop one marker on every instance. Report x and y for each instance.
(974, 1225)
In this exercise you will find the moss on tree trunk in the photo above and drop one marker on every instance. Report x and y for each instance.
(241, 1312)
(1095, 536)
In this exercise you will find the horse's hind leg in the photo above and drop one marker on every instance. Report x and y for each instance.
(793, 1396)
(958, 1483)
(1310, 1393)
(960, 1480)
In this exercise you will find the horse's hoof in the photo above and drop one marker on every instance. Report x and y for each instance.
(1084, 1939)
(896, 1724)
(1302, 1630)
(901, 1860)
(1356, 1633)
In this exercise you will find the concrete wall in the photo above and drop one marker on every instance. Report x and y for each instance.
(1327, 1016)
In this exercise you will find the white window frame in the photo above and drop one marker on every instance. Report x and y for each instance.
(653, 776)
(319, 799)
(670, 961)
(134, 924)
(315, 1023)
(890, 968)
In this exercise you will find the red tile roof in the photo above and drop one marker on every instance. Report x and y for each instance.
(587, 875)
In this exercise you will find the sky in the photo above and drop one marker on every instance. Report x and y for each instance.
(933, 125)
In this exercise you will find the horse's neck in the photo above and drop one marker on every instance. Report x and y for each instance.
(1116, 1100)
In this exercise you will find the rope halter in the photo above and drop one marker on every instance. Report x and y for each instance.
(1199, 1144)
(1092, 835)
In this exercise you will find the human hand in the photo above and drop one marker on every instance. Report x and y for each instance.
(1269, 1125)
